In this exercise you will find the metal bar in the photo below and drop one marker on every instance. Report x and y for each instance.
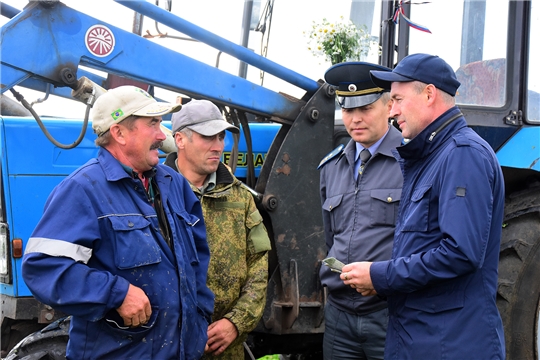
(246, 21)
(403, 34)
(472, 34)
(387, 34)
(8, 10)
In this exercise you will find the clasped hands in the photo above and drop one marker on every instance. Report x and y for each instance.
(357, 276)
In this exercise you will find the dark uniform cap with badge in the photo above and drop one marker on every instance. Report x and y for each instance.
(354, 85)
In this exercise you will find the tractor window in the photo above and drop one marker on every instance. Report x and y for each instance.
(471, 35)
(533, 98)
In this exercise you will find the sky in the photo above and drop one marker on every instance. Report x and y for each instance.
(287, 45)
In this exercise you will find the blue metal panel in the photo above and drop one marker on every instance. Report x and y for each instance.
(31, 167)
(6, 288)
(46, 158)
(51, 33)
(522, 150)
(28, 196)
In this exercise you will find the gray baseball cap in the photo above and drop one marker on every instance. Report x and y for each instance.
(203, 117)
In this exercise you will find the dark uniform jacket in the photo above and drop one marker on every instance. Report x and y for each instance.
(442, 280)
(359, 217)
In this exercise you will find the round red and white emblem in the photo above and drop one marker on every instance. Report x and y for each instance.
(99, 40)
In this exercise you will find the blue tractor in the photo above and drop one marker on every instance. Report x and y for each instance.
(491, 46)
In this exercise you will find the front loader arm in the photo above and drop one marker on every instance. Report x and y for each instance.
(58, 39)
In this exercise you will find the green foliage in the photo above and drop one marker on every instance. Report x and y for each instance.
(338, 42)
(270, 357)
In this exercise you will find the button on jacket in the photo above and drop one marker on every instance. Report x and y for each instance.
(441, 282)
(98, 234)
(359, 217)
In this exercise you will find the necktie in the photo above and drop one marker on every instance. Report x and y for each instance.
(365, 155)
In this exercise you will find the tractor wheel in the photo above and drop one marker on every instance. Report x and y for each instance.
(18, 331)
(519, 271)
(47, 344)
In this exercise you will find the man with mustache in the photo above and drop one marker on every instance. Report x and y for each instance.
(122, 246)
(237, 237)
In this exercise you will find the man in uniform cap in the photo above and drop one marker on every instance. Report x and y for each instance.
(238, 240)
(441, 282)
(360, 193)
(121, 245)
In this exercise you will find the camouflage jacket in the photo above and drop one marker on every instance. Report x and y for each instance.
(238, 241)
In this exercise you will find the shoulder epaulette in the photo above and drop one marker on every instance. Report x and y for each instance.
(332, 154)
(461, 140)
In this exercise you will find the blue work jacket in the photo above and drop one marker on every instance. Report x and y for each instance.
(441, 283)
(359, 217)
(98, 234)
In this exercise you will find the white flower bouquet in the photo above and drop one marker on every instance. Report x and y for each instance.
(338, 42)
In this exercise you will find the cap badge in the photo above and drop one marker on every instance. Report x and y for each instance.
(352, 88)
(117, 114)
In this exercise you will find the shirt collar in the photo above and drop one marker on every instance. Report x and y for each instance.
(147, 174)
(372, 149)
(210, 183)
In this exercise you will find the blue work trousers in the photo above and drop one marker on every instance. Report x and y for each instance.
(348, 336)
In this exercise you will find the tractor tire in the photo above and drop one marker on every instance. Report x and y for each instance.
(518, 291)
(17, 332)
(47, 344)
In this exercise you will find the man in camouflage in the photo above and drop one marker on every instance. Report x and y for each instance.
(237, 238)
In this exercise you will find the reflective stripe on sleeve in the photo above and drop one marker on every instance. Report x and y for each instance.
(58, 248)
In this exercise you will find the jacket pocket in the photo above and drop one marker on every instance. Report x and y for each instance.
(114, 324)
(330, 205)
(416, 216)
(258, 236)
(111, 340)
(384, 206)
(186, 222)
(435, 300)
(135, 244)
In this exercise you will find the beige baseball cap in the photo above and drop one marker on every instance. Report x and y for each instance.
(119, 103)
